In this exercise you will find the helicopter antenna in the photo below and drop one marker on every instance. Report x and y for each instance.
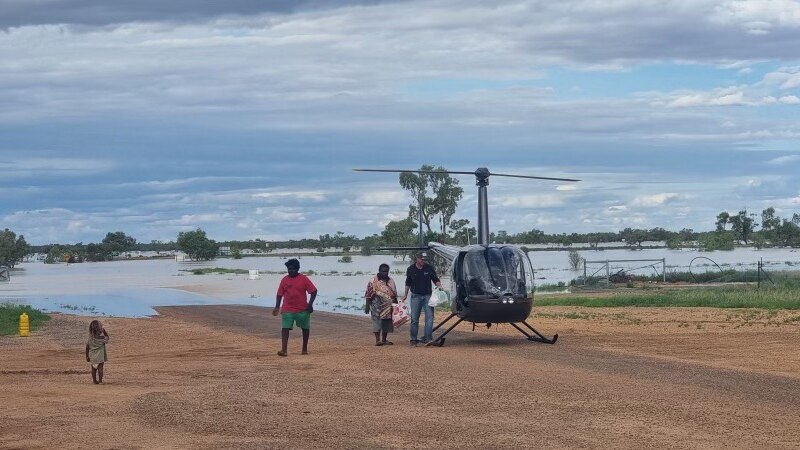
(482, 175)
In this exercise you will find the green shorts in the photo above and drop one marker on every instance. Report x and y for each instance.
(303, 319)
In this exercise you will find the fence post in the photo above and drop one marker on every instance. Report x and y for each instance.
(760, 266)
(664, 269)
(584, 271)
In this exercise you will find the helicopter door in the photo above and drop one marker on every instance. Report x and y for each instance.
(459, 282)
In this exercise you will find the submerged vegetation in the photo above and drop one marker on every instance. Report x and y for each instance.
(220, 270)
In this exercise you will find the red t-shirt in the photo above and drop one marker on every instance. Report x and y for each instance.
(293, 291)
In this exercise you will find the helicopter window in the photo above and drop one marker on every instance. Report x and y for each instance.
(515, 271)
(494, 271)
(497, 268)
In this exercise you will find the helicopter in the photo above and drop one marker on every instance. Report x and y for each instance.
(489, 283)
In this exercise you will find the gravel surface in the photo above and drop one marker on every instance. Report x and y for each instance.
(208, 377)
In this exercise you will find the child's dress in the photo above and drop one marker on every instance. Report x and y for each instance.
(97, 350)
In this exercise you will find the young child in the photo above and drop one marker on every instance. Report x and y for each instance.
(96, 350)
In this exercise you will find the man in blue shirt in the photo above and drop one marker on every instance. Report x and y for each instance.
(419, 277)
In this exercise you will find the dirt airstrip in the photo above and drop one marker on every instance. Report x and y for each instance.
(208, 377)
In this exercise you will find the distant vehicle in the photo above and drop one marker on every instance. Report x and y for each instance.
(491, 283)
(620, 277)
(5, 274)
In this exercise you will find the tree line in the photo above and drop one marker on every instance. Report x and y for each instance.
(436, 197)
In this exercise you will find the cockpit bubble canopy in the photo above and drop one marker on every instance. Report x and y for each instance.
(497, 271)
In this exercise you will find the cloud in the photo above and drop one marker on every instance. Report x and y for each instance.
(53, 167)
(789, 100)
(758, 17)
(732, 96)
(99, 12)
(660, 199)
(246, 116)
(566, 187)
(533, 201)
(781, 160)
(316, 196)
(384, 198)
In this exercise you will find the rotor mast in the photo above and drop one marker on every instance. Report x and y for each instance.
(482, 181)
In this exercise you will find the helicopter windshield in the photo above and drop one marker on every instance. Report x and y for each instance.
(495, 271)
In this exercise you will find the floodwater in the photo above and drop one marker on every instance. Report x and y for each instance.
(131, 288)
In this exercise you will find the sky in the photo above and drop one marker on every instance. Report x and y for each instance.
(245, 118)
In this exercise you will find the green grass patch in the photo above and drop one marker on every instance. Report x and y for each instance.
(208, 270)
(9, 318)
(717, 297)
(561, 286)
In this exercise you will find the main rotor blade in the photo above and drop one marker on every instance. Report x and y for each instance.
(454, 172)
(528, 176)
(413, 171)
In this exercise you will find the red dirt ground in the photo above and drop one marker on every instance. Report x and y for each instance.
(208, 377)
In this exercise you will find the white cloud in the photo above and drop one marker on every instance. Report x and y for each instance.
(317, 196)
(656, 199)
(55, 167)
(196, 219)
(281, 214)
(781, 160)
(385, 198)
(533, 201)
(758, 16)
(732, 96)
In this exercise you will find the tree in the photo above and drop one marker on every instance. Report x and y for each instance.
(448, 193)
(95, 252)
(55, 255)
(417, 184)
(13, 249)
(501, 237)
(462, 232)
(787, 234)
(769, 221)
(574, 259)
(742, 225)
(442, 200)
(769, 224)
(723, 219)
(633, 236)
(399, 233)
(716, 241)
(116, 243)
(196, 245)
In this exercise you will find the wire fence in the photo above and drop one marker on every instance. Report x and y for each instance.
(613, 273)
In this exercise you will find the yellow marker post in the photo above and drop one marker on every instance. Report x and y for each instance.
(24, 325)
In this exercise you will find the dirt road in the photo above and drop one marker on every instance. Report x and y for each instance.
(208, 377)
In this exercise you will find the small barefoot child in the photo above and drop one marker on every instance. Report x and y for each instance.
(96, 350)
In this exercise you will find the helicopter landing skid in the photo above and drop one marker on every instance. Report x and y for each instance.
(538, 338)
(438, 342)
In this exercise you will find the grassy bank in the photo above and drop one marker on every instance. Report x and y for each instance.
(714, 297)
(9, 318)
